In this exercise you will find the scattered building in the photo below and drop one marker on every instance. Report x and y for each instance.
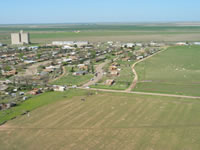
(139, 57)
(196, 43)
(81, 72)
(110, 82)
(181, 43)
(59, 88)
(35, 91)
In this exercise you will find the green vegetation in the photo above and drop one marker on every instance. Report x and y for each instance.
(174, 71)
(36, 102)
(106, 121)
(122, 81)
(103, 32)
(70, 79)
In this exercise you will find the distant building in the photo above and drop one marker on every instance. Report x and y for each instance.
(20, 38)
(70, 43)
(181, 43)
(196, 43)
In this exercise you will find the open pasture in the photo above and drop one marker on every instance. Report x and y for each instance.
(174, 71)
(107, 121)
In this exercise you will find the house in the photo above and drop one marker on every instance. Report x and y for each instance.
(114, 73)
(5, 82)
(53, 67)
(126, 59)
(49, 70)
(110, 82)
(82, 67)
(139, 44)
(59, 88)
(3, 87)
(196, 43)
(7, 106)
(80, 73)
(61, 43)
(29, 62)
(139, 57)
(111, 68)
(9, 73)
(128, 45)
(33, 47)
(35, 91)
(153, 44)
(81, 43)
(67, 60)
(73, 57)
(181, 43)
(68, 47)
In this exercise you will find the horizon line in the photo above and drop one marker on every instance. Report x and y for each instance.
(106, 22)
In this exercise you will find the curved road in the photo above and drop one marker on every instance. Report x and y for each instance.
(132, 86)
(135, 80)
(99, 71)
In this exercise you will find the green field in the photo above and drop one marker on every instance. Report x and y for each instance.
(106, 121)
(104, 32)
(70, 79)
(36, 102)
(174, 71)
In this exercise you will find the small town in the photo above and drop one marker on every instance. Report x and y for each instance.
(99, 75)
(28, 70)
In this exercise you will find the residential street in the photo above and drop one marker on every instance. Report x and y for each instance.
(99, 71)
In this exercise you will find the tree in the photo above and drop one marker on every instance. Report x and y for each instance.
(93, 54)
(72, 69)
(88, 69)
(92, 68)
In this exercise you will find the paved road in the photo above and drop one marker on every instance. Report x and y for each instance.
(100, 72)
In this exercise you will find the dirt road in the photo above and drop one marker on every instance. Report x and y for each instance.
(63, 74)
(99, 71)
(132, 86)
(32, 70)
(143, 93)
(135, 80)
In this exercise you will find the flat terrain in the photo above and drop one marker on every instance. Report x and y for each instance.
(104, 32)
(174, 71)
(107, 121)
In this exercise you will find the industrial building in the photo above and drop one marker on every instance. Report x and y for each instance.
(20, 38)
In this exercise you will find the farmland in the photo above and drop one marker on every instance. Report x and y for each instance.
(103, 32)
(174, 71)
(107, 121)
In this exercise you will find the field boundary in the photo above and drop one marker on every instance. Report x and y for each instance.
(142, 93)
(135, 80)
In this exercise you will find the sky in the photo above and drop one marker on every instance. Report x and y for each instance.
(91, 11)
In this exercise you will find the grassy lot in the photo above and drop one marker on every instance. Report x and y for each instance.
(36, 102)
(107, 121)
(122, 81)
(175, 71)
(70, 79)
